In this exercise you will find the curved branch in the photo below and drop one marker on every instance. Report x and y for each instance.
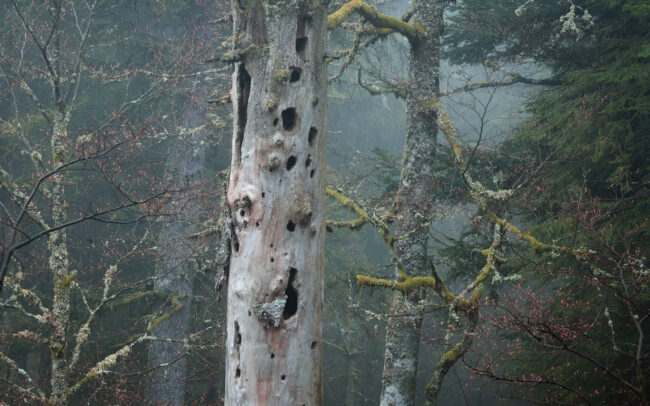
(450, 358)
(378, 20)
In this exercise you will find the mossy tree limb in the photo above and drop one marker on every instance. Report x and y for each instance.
(366, 217)
(534, 243)
(406, 286)
(452, 356)
(384, 22)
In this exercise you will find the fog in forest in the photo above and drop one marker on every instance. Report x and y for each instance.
(329, 202)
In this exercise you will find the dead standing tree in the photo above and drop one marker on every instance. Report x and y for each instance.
(276, 196)
(276, 192)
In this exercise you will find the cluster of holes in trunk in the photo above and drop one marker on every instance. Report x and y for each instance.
(289, 119)
(291, 307)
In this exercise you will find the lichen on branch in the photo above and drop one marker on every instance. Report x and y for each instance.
(378, 20)
(406, 286)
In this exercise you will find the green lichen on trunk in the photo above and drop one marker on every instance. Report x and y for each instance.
(413, 205)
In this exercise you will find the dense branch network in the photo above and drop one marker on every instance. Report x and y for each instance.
(482, 197)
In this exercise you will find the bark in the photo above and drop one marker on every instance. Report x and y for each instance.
(276, 195)
(58, 263)
(413, 205)
(175, 272)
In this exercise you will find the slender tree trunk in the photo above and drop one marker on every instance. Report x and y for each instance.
(58, 263)
(175, 272)
(413, 205)
(276, 195)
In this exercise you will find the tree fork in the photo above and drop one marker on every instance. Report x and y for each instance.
(276, 197)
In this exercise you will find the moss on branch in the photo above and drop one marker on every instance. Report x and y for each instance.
(452, 356)
(176, 306)
(351, 224)
(406, 286)
(378, 20)
(534, 243)
(378, 223)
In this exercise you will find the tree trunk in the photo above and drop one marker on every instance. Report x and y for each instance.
(413, 205)
(175, 272)
(58, 263)
(276, 195)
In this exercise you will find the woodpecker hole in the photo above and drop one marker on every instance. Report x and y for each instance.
(314, 344)
(291, 307)
(295, 75)
(291, 162)
(308, 161)
(301, 38)
(301, 46)
(311, 173)
(237, 334)
(313, 132)
(244, 90)
(289, 119)
(291, 226)
(237, 372)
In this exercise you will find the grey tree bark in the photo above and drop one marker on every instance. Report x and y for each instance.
(276, 196)
(59, 264)
(175, 271)
(413, 205)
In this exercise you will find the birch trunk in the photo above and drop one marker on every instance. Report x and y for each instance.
(413, 205)
(276, 195)
(175, 272)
